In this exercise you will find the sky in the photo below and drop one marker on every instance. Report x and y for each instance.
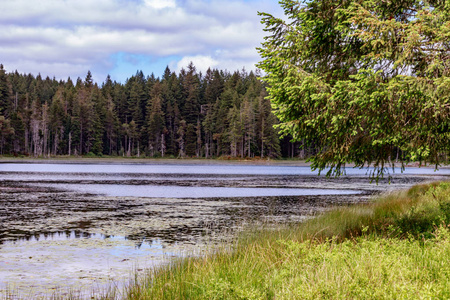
(66, 38)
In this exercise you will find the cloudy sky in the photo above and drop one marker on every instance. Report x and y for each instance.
(62, 38)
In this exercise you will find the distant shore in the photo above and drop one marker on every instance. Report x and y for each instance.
(153, 161)
(177, 161)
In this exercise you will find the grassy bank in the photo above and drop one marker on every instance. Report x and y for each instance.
(397, 247)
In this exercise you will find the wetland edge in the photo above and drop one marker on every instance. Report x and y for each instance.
(122, 234)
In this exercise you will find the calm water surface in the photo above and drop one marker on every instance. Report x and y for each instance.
(154, 191)
(194, 169)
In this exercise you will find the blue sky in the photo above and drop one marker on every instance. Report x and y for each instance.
(66, 38)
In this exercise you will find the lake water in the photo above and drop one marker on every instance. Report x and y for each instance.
(101, 223)
(170, 191)
(213, 169)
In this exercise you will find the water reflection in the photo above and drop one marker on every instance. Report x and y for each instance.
(57, 236)
(140, 242)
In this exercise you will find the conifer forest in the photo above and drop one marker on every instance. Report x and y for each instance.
(189, 114)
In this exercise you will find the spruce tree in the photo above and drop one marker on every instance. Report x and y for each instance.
(4, 91)
(361, 80)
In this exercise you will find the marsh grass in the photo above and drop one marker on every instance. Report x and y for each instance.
(111, 293)
(397, 247)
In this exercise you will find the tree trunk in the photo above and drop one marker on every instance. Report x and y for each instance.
(81, 139)
(55, 146)
(138, 153)
(163, 145)
(70, 143)
(27, 134)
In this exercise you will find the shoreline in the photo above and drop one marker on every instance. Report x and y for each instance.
(169, 224)
(180, 161)
(152, 161)
(344, 253)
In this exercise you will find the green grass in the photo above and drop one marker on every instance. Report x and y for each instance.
(397, 247)
(111, 293)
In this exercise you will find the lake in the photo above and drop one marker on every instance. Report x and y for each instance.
(69, 226)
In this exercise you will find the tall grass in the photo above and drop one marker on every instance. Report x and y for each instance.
(110, 293)
(397, 247)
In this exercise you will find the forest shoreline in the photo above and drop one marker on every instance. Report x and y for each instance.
(64, 159)
(158, 161)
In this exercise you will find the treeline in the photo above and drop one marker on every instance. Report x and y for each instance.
(180, 115)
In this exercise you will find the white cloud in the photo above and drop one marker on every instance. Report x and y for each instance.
(159, 4)
(62, 37)
(201, 63)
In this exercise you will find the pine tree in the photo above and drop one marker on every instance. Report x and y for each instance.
(111, 118)
(57, 116)
(5, 131)
(4, 92)
(191, 84)
(98, 121)
(249, 127)
(234, 131)
(181, 133)
(190, 140)
(155, 121)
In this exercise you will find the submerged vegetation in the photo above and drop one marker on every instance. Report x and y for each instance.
(395, 247)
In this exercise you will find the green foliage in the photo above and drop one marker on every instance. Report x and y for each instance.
(185, 114)
(423, 217)
(366, 81)
(90, 154)
(4, 91)
(5, 131)
(416, 213)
